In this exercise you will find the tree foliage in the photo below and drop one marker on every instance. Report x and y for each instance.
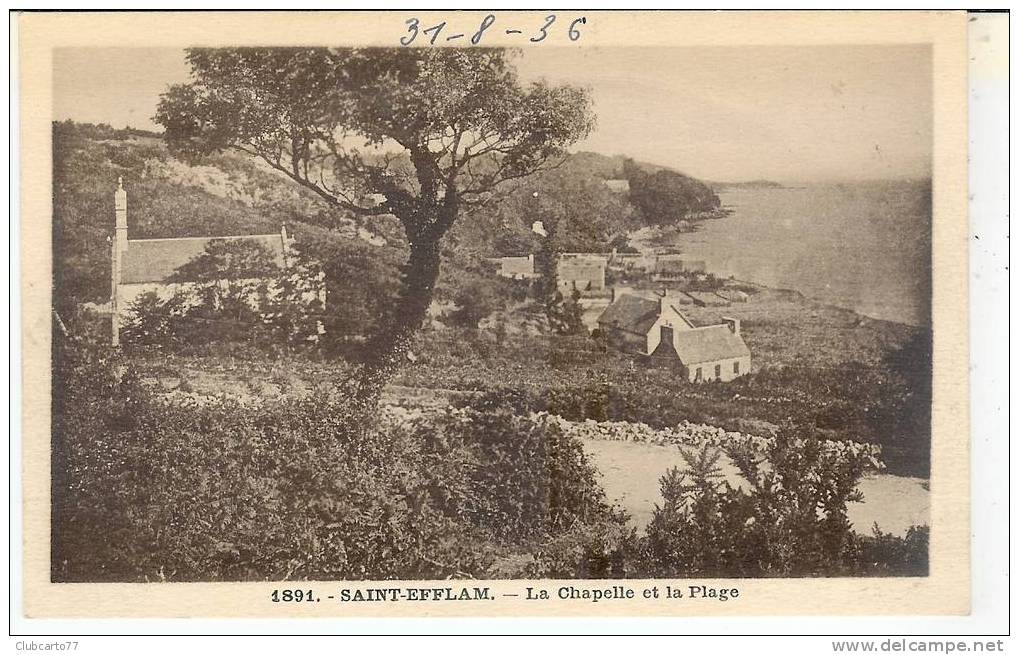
(789, 519)
(232, 291)
(475, 301)
(230, 273)
(417, 133)
(665, 197)
(584, 213)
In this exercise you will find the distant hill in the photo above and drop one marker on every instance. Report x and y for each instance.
(612, 167)
(590, 214)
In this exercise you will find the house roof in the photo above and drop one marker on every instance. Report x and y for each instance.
(155, 260)
(631, 313)
(514, 265)
(708, 344)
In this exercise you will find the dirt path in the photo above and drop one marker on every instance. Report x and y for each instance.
(631, 473)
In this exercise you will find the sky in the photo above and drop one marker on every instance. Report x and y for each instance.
(783, 113)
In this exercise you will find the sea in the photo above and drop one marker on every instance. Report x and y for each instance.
(865, 246)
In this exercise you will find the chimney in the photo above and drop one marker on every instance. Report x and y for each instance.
(667, 337)
(663, 300)
(120, 203)
(733, 323)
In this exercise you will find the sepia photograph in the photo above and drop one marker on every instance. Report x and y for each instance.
(336, 313)
(508, 312)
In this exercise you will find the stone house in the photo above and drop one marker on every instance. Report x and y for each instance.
(633, 323)
(711, 352)
(657, 328)
(579, 272)
(516, 268)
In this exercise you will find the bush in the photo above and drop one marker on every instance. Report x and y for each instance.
(886, 554)
(527, 479)
(790, 520)
(606, 549)
(221, 491)
(159, 322)
(231, 292)
(218, 490)
(566, 317)
(475, 301)
(212, 489)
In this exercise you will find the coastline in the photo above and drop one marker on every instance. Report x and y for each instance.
(796, 238)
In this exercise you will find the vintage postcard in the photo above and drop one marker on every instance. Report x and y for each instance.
(502, 313)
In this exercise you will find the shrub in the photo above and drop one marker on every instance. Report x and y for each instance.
(565, 316)
(887, 554)
(160, 322)
(527, 480)
(213, 489)
(475, 301)
(232, 292)
(221, 491)
(361, 281)
(605, 549)
(790, 520)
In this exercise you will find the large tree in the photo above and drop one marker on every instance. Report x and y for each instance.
(423, 134)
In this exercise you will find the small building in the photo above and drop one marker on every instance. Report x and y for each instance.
(140, 266)
(632, 261)
(516, 268)
(585, 274)
(712, 352)
(657, 328)
(633, 323)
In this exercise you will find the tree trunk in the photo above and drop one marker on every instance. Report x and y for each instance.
(388, 348)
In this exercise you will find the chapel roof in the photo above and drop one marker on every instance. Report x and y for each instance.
(155, 260)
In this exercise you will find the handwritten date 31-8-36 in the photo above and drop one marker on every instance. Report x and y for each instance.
(549, 27)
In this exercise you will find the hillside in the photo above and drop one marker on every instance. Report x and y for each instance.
(231, 194)
(589, 215)
(224, 196)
